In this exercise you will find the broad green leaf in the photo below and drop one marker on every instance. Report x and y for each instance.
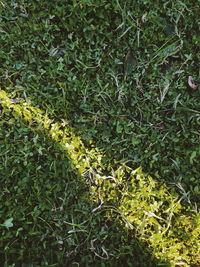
(168, 27)
(130, 63)
(8, 223)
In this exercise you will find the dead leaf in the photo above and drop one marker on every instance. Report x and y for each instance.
(191, 83)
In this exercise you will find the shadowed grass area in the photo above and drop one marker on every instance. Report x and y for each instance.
(69, 59)
(114, 72)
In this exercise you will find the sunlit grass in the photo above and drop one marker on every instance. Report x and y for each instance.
(154, 213)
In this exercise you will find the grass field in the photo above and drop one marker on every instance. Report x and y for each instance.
(99, 133)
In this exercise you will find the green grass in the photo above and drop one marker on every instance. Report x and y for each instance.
(102, 91)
